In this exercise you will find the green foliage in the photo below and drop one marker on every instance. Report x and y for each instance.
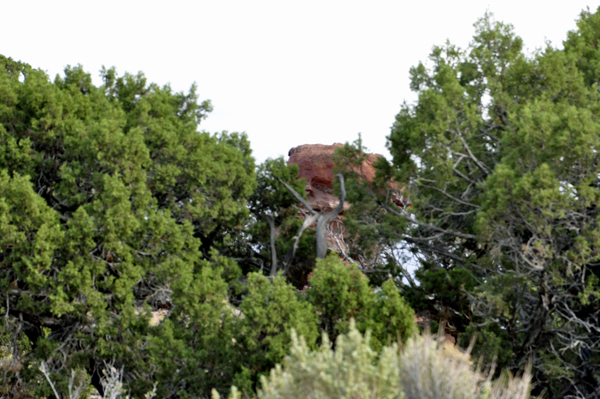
(272, 200)
(372, 234)
(270, 193)
(111, 202)
(197, 337)
(582, 43)
(499, 158)
(119, 223)
(444, 295)
(340, 293)
(393, 320)
(490, 342)
(30, 233)
(216, 344)
(268, 314)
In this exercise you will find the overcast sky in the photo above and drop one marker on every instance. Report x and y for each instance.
(285, 72)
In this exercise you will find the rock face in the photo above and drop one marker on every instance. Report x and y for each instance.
(316, 166)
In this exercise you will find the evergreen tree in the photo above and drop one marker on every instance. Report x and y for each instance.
(499, 160)
(112, 204)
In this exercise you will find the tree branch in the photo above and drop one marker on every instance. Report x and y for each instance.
(298, 197)
(273, 249)
(429, 226)
(324, 220)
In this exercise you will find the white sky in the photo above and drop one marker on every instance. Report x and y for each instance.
(285, 72)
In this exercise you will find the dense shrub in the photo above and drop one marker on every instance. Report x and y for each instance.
(342, 292)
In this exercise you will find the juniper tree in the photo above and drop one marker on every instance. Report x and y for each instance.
(499, 160)
(110, 201)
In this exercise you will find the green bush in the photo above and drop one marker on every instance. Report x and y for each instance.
(342, 292)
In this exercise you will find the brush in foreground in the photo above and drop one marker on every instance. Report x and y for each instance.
(425, 369)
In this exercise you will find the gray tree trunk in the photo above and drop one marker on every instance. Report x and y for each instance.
(322, 220)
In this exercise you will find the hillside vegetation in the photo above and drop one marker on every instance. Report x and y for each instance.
(138, 250)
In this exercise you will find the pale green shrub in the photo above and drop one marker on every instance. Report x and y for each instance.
(510, 387)
(433, 370)
(425, 369)
(112, 383)
(348, 372)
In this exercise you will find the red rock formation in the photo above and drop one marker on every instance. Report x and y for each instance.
(316, 166)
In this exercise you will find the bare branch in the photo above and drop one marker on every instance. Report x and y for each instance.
(321, 219)
(451, 196)
(429, 226)
(308, 221)
(472, 156)
(298, 197)
(273, 249)
(44, 369)
(324, 220)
